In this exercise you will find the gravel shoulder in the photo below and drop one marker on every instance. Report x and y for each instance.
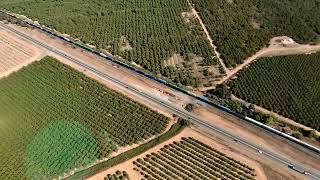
(244, 130)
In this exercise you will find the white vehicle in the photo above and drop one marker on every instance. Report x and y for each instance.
(260, 151)
(103, 55)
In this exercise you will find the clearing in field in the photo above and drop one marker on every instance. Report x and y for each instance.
(287, 85)
(55, 119)
(241, 28)
(153, 30)
(15, 53)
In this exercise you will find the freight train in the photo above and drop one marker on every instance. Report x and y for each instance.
(162, 81)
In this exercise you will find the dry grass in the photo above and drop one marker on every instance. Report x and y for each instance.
(125, 44)
(15, 53)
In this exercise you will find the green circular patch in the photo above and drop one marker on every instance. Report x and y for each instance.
(58, 148)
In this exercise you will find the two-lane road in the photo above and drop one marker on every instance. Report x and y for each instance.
(167, 105)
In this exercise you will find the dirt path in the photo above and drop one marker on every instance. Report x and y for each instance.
(196, 14)
(281, 118)
(273, 50)
(249, 132)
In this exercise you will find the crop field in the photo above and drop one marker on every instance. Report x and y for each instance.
(54, 119)
(287, 85)
(162, 36)
(191, 159)
(241, 28)
(14, 53)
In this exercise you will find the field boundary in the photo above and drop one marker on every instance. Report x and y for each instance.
(281, 118)
(215, 48)
(86, 173)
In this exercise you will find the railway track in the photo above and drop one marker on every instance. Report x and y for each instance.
(169, 106)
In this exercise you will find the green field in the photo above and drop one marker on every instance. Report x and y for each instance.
(146, 32)
(53, 119)
(191, 159)
(241, 28)
(288, 85)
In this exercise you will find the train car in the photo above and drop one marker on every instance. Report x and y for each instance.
(103, 55)
(204, 98)
(67, 39)
(201, 98)
(161, 80)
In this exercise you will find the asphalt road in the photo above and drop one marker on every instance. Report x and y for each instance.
(169, 106)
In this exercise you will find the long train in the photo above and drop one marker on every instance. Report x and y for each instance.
(162, 81)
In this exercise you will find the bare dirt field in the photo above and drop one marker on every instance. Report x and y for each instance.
(249, 132)
(15, 53)
(275, 48)
(251, 159)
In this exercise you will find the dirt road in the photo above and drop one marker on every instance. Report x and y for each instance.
(273, 50)
(215, 49)
(249, 132)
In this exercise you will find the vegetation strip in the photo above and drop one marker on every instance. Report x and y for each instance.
(174, 130)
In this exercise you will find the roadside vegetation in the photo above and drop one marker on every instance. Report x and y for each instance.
(287, 85)
(162, 36)
(174, 130)
(191, 159)
(241, 28)
(54, 119)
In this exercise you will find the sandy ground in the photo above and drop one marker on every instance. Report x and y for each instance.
(249, 132)
(274, 49)
(15, 53)
(262, 138)
(215, 49)
(281, 118)
(251, 159)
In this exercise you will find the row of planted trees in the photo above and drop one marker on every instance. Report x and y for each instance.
(240, 29)
(191, 159)
(47, 93)
(154, 31)
(292, 92)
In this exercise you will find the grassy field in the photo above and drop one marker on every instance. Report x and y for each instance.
(241, 28)
(191, 159)
(288, 85)
(160, 35)
(53, 119)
